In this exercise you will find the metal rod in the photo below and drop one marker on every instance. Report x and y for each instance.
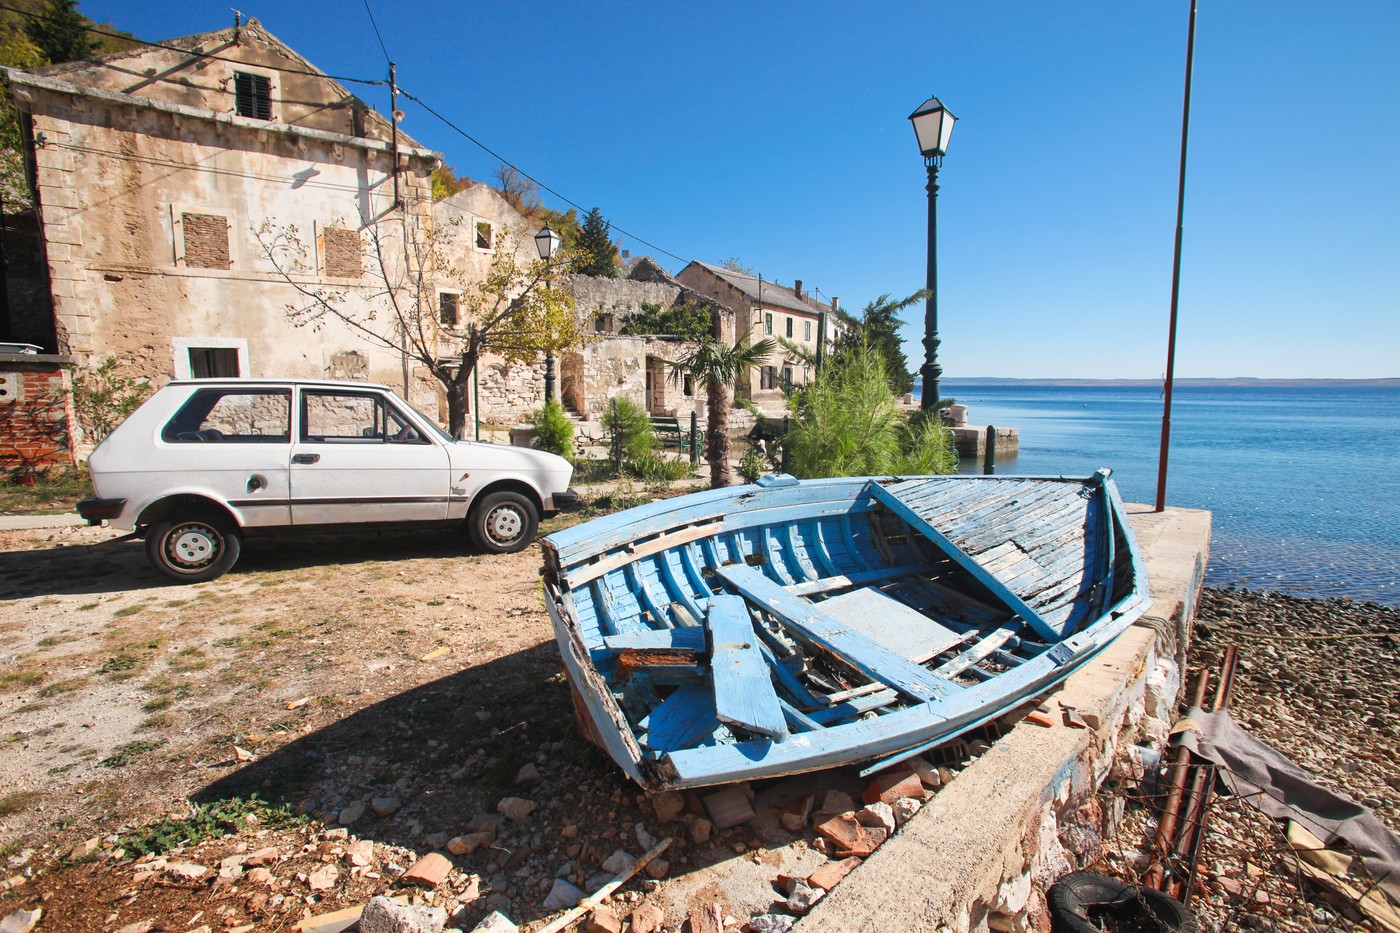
(1176, 270)
(1171, 810)
(989, 461)
(394, 123)
(1205, 777)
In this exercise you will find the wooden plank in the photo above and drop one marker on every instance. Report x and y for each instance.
(864, 578)
(889, 622)
(581, 574)
(744, 694)
(979, 651)
(690, 639)
(874, 660)
(682, 720)
(966, 561)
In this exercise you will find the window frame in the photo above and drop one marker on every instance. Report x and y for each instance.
(178, 210)
(255, 73)
(456, 297)
(181, 346)
(477, 224)
(169, 436)
(384, 410)
(767, 323)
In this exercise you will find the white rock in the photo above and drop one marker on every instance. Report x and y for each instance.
(619, 862)
(905, 808)
(562, 896)
(495, 922)
(382, 915)
(516, 809)
(21, 921)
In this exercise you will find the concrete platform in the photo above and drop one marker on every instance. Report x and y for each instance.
(979, 855)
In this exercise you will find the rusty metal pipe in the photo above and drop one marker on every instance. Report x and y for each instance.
(1206, 778)
(1171, 810)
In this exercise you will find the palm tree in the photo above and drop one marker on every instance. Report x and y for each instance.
(716, 366)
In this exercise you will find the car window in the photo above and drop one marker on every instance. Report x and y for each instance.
(237, 416)
(354, 418)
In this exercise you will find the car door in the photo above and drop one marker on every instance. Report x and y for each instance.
(231, 443)
(358, 458)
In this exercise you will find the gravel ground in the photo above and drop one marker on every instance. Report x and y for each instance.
(1319, 680)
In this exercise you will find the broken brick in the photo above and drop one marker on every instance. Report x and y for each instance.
(892, 785)
(428, 871)
(848, 837)
(830, 874)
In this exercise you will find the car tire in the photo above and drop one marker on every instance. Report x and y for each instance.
(1084, 901)
(194, 548)
(503, 523)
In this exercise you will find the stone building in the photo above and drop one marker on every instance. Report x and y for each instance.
(160, 178)
(765, 309)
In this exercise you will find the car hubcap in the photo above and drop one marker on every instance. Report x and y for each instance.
(190, 547)
(504, 524)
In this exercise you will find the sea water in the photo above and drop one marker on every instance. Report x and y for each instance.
(1304, 483)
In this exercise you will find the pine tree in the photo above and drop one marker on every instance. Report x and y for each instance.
(60, 32)
(597, 254)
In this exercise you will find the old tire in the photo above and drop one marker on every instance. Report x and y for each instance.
(503, 522)
(1087, 902)
(192, 549)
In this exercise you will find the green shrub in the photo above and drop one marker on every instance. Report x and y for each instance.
(629, 427)
(849, 424)
(656, 469)
(554, 432)
(752, 465)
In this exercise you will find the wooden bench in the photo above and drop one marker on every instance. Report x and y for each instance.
(670, 432)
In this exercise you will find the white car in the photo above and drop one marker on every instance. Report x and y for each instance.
(204, 462)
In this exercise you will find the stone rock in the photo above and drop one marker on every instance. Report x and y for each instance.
(668, 805)
(323, 878)
(707, 919)
(529, 774)
(701, 831)
(140, 926)
(835, 801)
(266, 856)
(658, 868)
(645, 839)
(648, 918)
(22, 921)
(770, 923)
(360, 853)
(435, 841)
(905, 808)
(729, 807)
(602, 919)
(803, 898)
(516, 809)
(878, 814)
(186, 871)
(84, 849)
(383, 806)
(495, 922)
(382, 915)
(428, 871)
(350, 814)
(618, 862)
(562, 896)
(259, 876)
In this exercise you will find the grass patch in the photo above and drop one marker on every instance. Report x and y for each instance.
(18, 800)
(209, 821)
(67, 685)
(129, 610)
(48, 641)
(176, 603)
(191, 658)
(157, 721)
(19, 676)
(120, 667)
(129, 753)
(157, 703)
(88, 607)
(54, 492)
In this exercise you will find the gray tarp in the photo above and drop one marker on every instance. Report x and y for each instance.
(1283, 790)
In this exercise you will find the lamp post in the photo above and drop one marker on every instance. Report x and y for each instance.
(547, 241)
(933, 124)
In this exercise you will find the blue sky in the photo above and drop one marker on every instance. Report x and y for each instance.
(777, 133)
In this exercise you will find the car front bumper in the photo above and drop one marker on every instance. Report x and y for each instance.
(562, 500)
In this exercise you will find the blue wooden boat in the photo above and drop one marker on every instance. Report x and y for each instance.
(793, 625)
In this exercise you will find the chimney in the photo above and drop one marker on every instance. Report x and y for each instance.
(836, 304)
(797, 288)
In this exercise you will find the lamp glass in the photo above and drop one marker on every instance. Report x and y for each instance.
(933, 125)
(546, 241)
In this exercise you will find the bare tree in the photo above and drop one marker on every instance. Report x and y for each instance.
(514, 310)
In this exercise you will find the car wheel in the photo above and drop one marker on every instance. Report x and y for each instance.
(503, 522)
(193, 549)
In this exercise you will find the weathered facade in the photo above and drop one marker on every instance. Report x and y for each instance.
(161, 178)
(765, 309)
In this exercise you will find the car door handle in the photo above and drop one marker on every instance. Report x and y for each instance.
(306, 458)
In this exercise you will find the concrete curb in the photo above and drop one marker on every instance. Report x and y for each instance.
(27, 522)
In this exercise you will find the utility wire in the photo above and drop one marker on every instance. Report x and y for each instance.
(191, 52)
(376, 32)
(506, 162)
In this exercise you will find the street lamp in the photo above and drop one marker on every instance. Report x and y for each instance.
(933, 124)
(547, 241)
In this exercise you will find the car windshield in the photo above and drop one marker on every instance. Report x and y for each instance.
(430, 422)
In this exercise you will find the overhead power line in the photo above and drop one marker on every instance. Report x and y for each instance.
(377, 35)
(506, 162)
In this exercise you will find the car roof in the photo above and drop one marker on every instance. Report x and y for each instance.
(280, 383)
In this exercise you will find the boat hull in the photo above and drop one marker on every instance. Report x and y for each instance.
(791, 626)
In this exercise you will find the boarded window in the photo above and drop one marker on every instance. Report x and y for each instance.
(344, 252)
(483, 235)
(206, 241)
(449, 308)
(252, 95)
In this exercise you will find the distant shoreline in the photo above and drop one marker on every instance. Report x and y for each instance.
(1227, 382)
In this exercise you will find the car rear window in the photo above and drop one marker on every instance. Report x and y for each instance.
(232, 416)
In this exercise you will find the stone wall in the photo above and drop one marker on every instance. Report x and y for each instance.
(37, 426)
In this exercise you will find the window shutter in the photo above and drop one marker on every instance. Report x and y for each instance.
(252, 95)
